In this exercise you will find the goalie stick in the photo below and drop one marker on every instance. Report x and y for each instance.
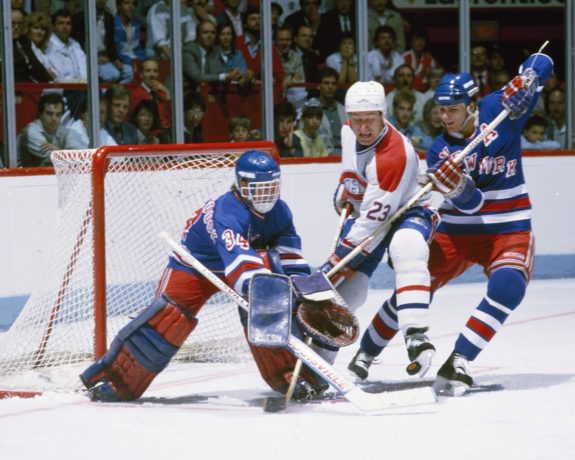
(367, 402)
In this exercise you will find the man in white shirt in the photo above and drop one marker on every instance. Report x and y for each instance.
(383, 60)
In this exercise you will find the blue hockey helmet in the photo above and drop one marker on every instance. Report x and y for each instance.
(455, 88)
(258, 180)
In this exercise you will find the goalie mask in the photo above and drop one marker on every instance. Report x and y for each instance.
(258, 180)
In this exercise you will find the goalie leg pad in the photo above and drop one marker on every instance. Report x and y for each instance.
(140, 351)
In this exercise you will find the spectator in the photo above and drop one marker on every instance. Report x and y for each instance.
(550, 85)
(555, 109)
(64, 53)
(344, 61)
(292, 67)
(27, 67)
(127, 34)
(379, 14)
(232, 15)
(419, 59)
(123, 132)
(311, 142)
(231, 57)
(284, 119)
(111, 69)
(80, 126)
(194, 110)
(434, 74)
(496, 59)
(430, 127)
(277, 12)
(41, 137)
(402, 116)
(479, 69)
(201, 60)
(404, 78)
(145, 118)
(308, 15)
(383, 60)
(153, 90)
(334, 114)
(309, 56)
(158, 28)
(250, 46)
(533, 137)
(239, 128)
(498, 78)
(38, 28)
(333, 24)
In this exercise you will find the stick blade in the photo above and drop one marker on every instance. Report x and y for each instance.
(274, 404)
(374, 402)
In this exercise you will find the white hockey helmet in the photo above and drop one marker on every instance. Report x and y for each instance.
(366, 96)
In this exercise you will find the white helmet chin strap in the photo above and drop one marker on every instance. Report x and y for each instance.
(470, 115)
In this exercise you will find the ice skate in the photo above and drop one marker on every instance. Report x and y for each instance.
(360, 364)
(419, 350)
(453, 378)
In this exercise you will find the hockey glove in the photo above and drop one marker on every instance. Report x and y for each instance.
(450, 180)
(519, 92)
(341, 199)
(346, 272)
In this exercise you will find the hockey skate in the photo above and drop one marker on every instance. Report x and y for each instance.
(419, 350)
(360, 364)
(103, 391)
(305, 390)
(453, 378)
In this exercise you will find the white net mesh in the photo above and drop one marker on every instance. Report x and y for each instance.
(144, 194)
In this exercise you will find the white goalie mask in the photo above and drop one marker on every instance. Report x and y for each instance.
(366, 96)
(258, 180)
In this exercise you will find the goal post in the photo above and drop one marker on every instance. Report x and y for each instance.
(106, 260)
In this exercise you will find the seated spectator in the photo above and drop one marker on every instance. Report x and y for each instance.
(308, 15)
(533, 137)
(404, 77)
(81, 125)
(123, 132)
(334, 114)
(38, 28)
(309, 55)
(201, 60)
(277, 12)
(239, 128)
(383, 60)
(285, 119)
(200, 11)
(41, 137)
(480, 70)
(433, 76)
(158, 28)
(379, 13)
(496, 59)
(127, 34)
(430, 127)
(231, 57)
(311, 143)
(111, 68)
(550, 85)
(194, 110)
(420, 59)
(402, 113)
(555, 110)
(153, 90)
(145, 118)
(344, 61)
(292, 67)
(498, 78)
(231, 15)
(27, 67)
(333, 25)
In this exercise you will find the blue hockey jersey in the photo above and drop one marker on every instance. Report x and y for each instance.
(495, 166)
(225, 235)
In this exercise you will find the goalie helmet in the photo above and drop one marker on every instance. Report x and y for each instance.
(455, 88)
(366, 96)
(258, 180)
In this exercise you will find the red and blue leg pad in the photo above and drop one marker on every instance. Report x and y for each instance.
(141, 350)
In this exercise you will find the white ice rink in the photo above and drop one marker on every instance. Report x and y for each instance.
(199, 411)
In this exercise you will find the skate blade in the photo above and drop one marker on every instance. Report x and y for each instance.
(421, 365)
(444, 387)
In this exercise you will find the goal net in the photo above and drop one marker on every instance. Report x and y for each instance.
(107, 259)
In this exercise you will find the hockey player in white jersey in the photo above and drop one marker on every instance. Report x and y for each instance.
(379, 175)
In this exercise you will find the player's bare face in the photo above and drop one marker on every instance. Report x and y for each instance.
(453, 116)
(366, 126)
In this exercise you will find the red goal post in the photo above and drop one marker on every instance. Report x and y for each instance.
(106, 261)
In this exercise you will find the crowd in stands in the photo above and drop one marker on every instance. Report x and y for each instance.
(314, 61)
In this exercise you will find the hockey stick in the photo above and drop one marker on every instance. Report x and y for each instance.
(274, 404)
(368, 402)
(458, 158)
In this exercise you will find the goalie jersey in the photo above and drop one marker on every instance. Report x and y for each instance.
(225, 235)
(495, 166)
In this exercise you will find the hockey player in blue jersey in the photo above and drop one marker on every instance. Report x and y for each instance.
(486, 215)
(246, 231)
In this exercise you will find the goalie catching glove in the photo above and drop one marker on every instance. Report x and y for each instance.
(519, 92)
